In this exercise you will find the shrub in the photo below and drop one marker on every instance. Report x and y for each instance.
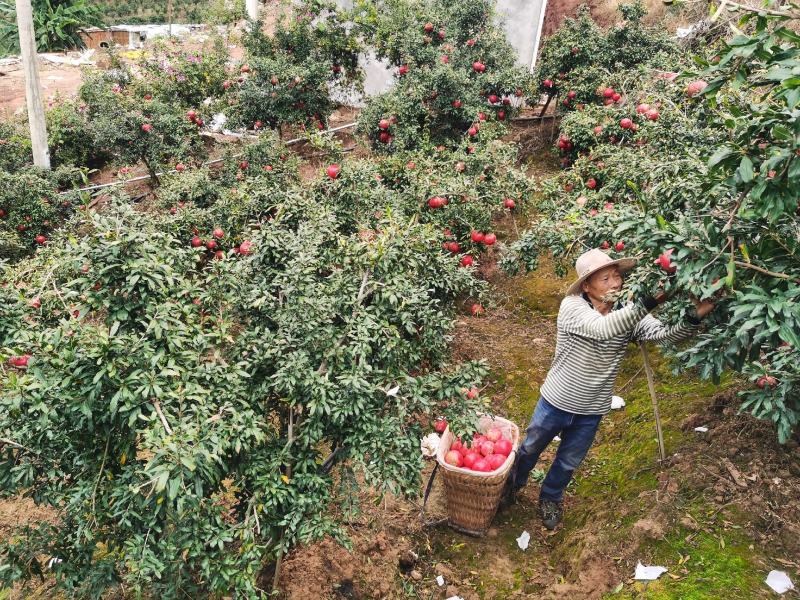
(133, 129)
(15, 145)
(31, 206)
(57, 24)
(288, 77)
(68, 136)
(447, 77)
(583, 59)
(184, 76)
(217, 389)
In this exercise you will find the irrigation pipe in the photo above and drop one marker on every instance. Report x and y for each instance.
(291, 142)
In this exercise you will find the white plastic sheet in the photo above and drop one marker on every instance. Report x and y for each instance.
(648, 573)
(429, 445)
(779, 581)
(523, 540)
(218, 122)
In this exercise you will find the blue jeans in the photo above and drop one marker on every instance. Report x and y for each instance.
(577, 434)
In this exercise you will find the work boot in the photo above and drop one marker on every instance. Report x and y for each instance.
(551, 513)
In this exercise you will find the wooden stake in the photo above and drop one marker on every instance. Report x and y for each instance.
(651, 384)
(546, 104)
(33, 90)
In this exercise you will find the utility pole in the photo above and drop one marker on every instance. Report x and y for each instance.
(252, 9)
(33, 90)
(169, 17)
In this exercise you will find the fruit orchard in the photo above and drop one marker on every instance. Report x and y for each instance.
(183, 376)
(197, 379)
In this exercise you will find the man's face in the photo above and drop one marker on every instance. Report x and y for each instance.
(604, 285)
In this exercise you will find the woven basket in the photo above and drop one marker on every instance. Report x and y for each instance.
(473, 497)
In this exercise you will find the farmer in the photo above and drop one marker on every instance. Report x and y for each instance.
(591, 342)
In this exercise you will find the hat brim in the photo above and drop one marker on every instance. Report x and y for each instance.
(624, 264)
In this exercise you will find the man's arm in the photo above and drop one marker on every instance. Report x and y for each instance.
(577, 317)
(651, 329)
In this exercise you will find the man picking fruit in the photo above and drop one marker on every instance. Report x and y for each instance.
(591, 342)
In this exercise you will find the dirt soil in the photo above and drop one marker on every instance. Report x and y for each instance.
(55, 80)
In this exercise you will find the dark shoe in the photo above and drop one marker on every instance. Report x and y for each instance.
(551, 513)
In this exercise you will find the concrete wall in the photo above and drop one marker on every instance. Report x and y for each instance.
(522, 21)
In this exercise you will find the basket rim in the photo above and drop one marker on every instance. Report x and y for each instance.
(447, 438)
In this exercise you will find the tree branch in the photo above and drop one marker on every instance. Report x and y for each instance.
(16, 445)
(331, 459)
(745, 265)
(157, 406)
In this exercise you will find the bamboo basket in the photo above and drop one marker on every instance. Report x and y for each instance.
(473, 497)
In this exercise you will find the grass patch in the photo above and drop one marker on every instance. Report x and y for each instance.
(714, 569)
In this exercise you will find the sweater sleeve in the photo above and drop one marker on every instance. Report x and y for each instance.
(652, 330)
(577, 317)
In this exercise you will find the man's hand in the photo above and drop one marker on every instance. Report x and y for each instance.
(702, 307)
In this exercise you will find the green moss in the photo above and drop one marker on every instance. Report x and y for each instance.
(540, 292)
(523, 393)
(713, 569)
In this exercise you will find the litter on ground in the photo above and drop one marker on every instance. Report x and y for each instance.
(648, 573)
(523, 539)
(779, 581)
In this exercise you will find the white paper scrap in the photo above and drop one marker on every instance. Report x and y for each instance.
(779, 581)
(617, 402)
(701, 429)
(218, 122)
(393, 391)
(523, 539)
(648, 573)
(455, 598)
(440, 580)
(429, 444)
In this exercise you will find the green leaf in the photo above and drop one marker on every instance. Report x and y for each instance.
(731, 273)
(720, 155)
(745, 170)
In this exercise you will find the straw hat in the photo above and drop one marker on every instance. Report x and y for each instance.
(592, 261)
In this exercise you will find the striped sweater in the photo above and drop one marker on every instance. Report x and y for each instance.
(590, 347)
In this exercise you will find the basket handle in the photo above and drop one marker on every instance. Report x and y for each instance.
(428, 488)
